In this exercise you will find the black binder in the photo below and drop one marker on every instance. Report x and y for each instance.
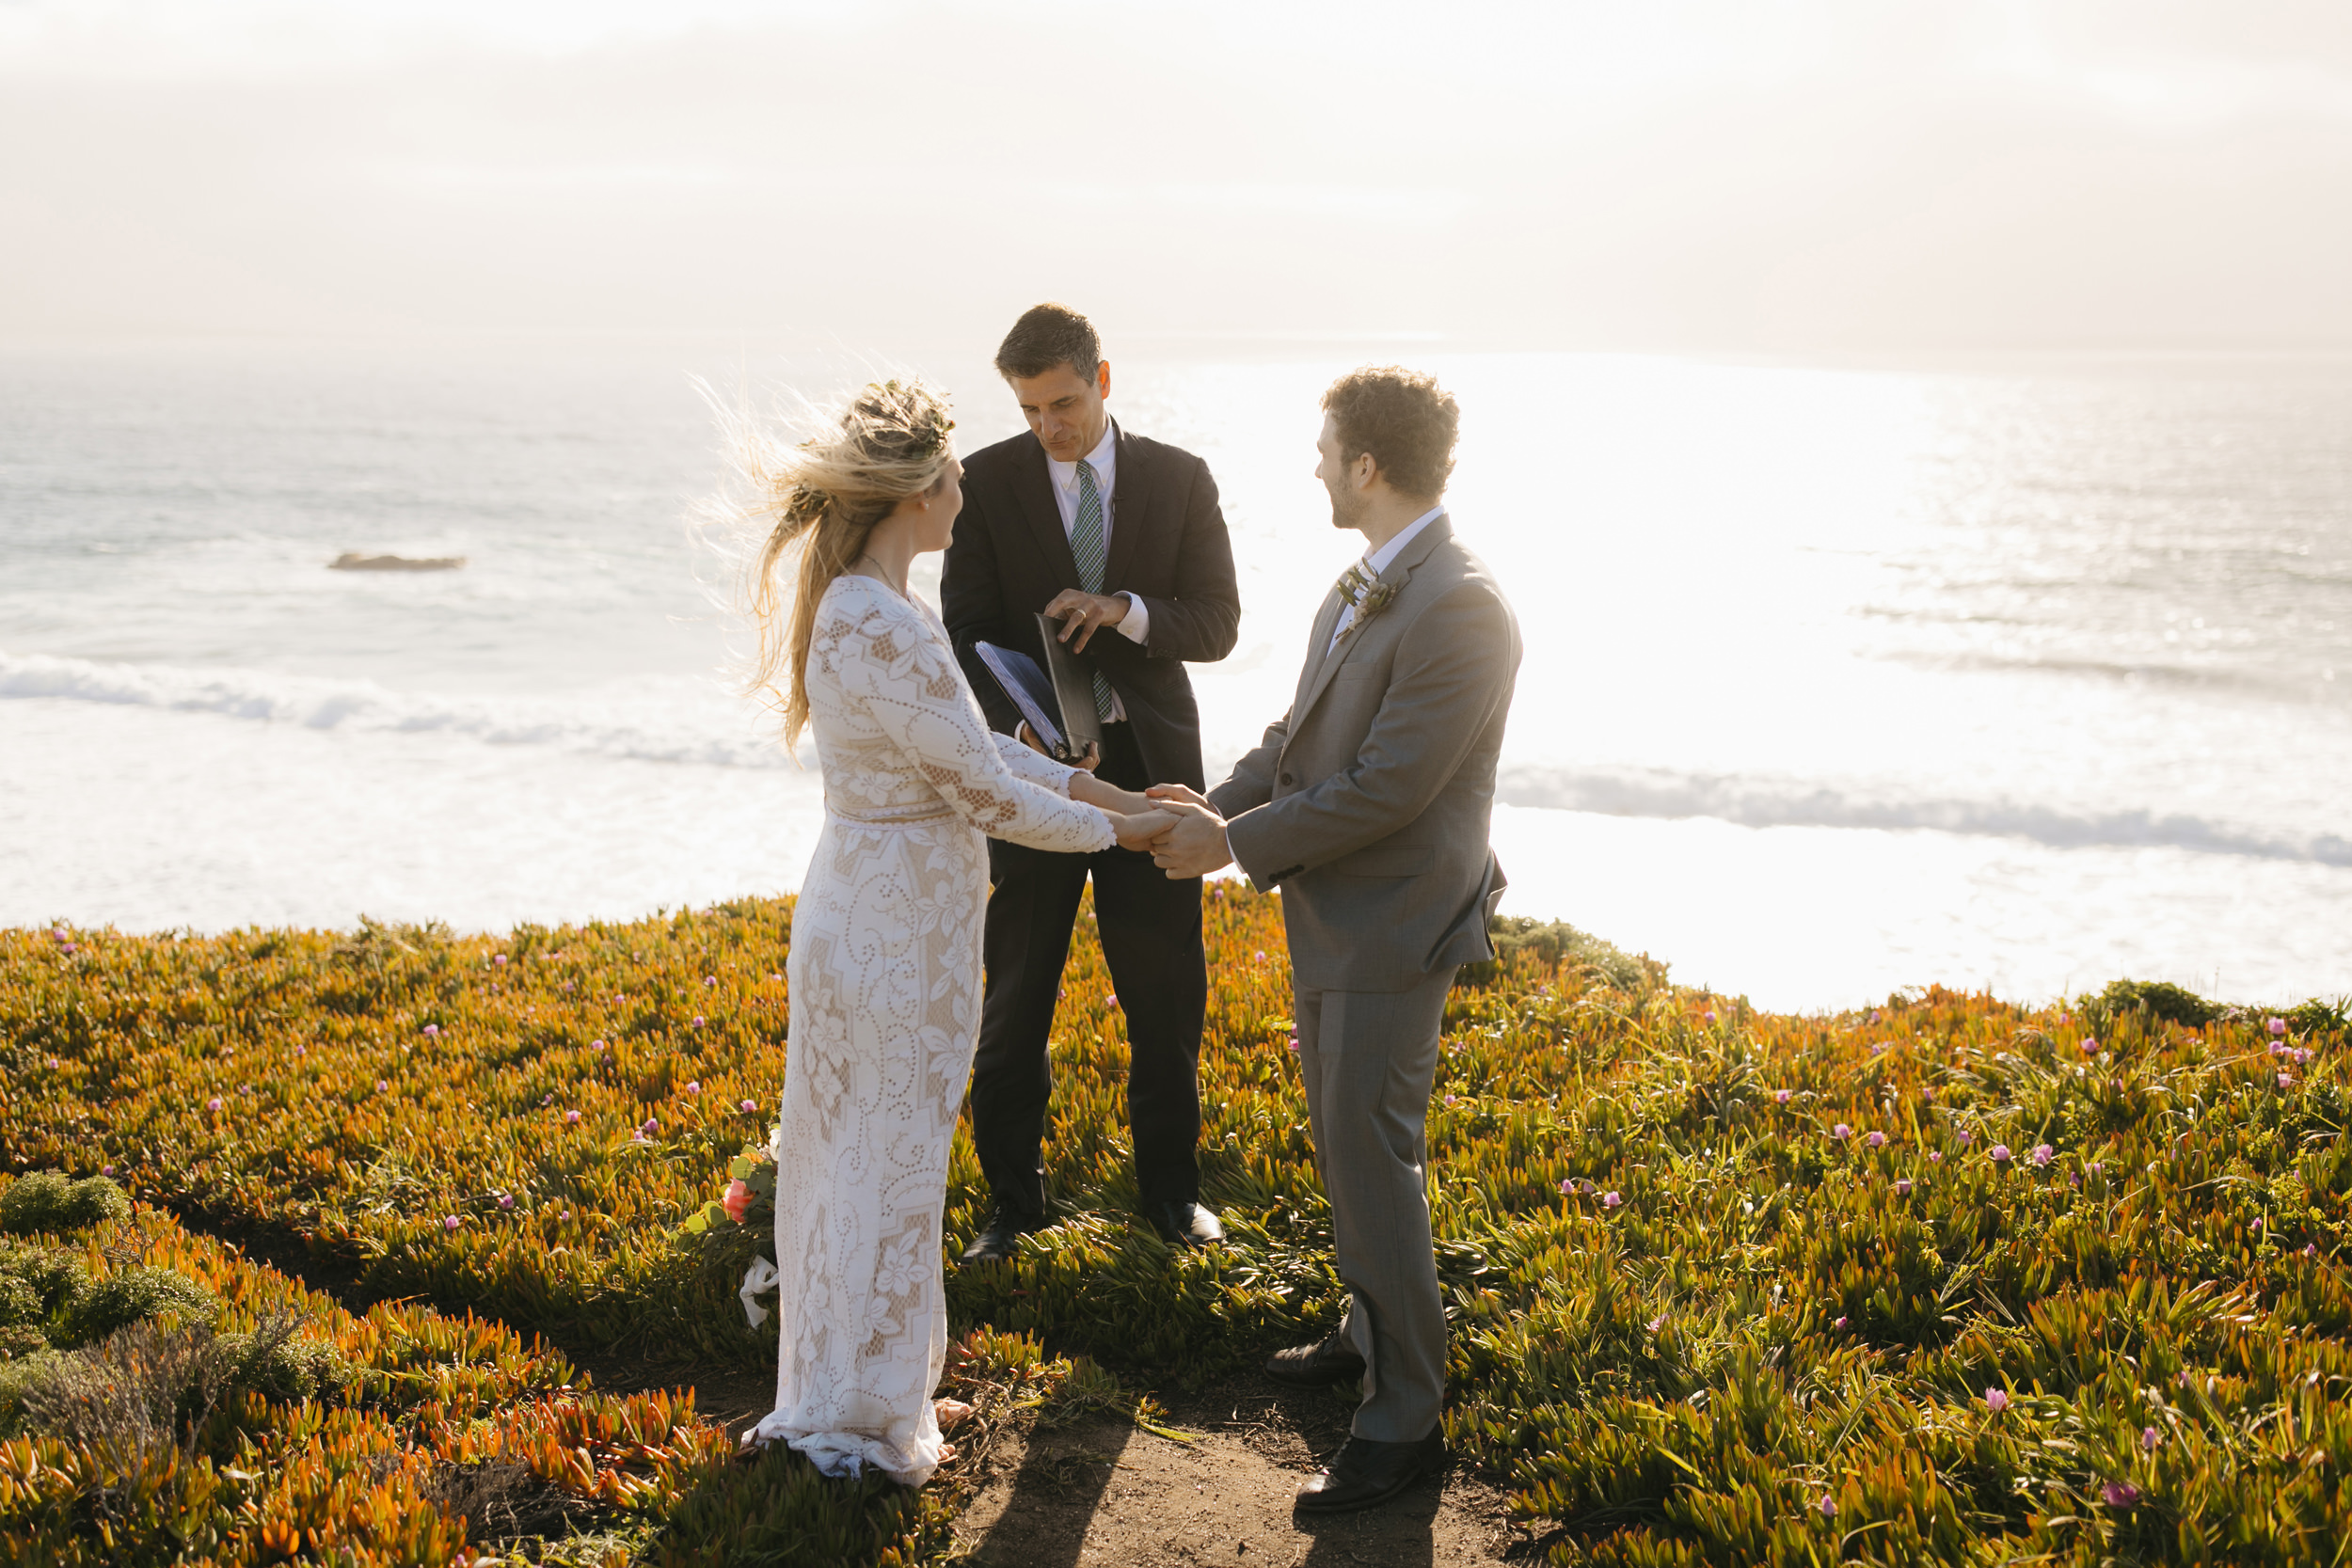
(1058, 706)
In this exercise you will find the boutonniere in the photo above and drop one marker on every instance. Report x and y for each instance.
(1367, 593)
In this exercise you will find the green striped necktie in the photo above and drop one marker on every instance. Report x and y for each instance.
(1086, 543)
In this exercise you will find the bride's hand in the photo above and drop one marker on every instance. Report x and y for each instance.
(1135, 831)
(1087, 790)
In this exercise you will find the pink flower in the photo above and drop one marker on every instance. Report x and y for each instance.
(1996, 1399)
(1261, 954)
(2287, 1080)
(1710, 1015)
(2278, 1025)
(1780, 1097)
(1839, 1324)
(1111, 1001)
(1449, 1100)
(1828, 1506)
(777, 979)
(2041, 1153)
(1967, 1136)
(506, 1200)
(1876, 1016)
(1567, 1186)
(710, 979)
(1902, 1186)
(214, 1103)
(2119, 1493)
(1876, 1140)
(693, 1085)
(549, 1100)
(2150, 1439)
(570, 1117)
(433, 1031)
(381, 1087)
(1935, 1156)
(596, 1045)
(498, 958)
(1611, 1201)
(1999, 1153)
(1841, 1131)
(106, 1170)
(451, 1222)
(651, 1126)
(2091, 1047)
(1928, 1094)
(1293, 1042)
(698, 1021)
(751, 1105)
(738, 1198)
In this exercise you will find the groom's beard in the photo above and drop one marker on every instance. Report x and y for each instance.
(1345, 506)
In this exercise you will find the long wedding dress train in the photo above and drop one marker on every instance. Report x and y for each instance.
(884, 970)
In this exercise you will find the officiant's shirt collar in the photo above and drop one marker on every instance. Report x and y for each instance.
(1377, 562)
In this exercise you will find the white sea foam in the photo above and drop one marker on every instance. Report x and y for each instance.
(676, 720)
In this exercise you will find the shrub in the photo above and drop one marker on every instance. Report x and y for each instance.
(45, 1200)
(132, 1296)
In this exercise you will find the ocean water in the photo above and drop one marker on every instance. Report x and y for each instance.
(1838, 680)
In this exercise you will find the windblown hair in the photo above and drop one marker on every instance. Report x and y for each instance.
(821, 500)
(1404, 418)
(1046, 336)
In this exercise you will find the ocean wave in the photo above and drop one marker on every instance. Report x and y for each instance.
(1765, 802)
(670, 721)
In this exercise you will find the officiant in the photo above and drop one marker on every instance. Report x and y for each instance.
(1119, 538)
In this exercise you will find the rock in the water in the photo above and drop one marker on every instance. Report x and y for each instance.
(352, 562)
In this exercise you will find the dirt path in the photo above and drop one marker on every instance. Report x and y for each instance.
(1104, 1493)
(1107, 1492)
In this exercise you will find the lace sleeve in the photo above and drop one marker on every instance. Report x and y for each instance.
(1036, 767)
(890, 661)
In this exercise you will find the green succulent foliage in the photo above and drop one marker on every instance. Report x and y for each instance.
(47, 1201)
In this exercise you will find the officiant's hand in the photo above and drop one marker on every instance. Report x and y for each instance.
(1193, 845)
(1086, 763)
(1083, 614)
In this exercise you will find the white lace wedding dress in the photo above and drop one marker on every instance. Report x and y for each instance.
(886, 996)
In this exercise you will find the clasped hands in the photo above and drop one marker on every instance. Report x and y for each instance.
(1183, 832)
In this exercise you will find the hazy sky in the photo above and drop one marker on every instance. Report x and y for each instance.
(1739, 175)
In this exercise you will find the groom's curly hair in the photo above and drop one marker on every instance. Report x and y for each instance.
(1404, 418)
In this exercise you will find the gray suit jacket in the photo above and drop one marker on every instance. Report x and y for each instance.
(1369, 801)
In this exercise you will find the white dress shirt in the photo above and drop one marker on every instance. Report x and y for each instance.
(1103, 460)
(1377, 562)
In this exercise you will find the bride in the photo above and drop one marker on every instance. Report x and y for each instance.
(884, 966)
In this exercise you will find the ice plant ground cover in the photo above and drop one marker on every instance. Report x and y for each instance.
(1728, 1287)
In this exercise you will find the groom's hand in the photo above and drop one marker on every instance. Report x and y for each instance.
(1184, 793)
(1194, 844)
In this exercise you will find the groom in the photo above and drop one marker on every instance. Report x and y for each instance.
(1120, 539)
(1369, 803)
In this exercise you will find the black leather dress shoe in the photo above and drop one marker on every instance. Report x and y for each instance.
(1007, 1225)
(1186, 1224)
(1316, 1365)
(1367, 1473)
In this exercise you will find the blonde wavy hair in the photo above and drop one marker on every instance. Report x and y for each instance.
(819, 500)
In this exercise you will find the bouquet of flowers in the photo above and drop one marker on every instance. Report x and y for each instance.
(749, 1198)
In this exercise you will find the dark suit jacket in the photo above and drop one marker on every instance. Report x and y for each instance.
(1169, 548)
(1370, 800)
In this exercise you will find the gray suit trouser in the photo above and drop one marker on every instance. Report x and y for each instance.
(1370, 1059)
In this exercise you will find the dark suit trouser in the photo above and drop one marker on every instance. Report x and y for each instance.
(1369, 1061)
(1150, 927)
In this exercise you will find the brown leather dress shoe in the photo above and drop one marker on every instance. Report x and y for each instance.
(1367, 1474)
(1316, 1365)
